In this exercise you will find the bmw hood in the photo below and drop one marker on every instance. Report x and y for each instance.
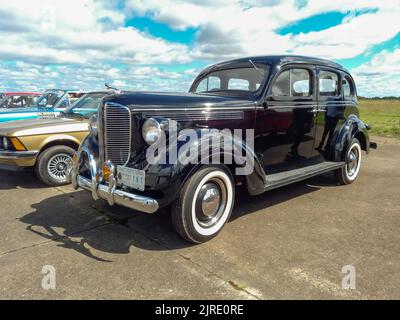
(42, 126)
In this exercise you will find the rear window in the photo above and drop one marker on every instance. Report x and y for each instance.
(348, 87)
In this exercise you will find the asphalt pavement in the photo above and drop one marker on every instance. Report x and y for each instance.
(293, 242)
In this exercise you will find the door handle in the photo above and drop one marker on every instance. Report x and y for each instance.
(317, 110)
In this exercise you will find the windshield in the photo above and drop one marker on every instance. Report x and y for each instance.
(3, 101)
(247, 79)
(50, 98)
(87, 105)
(17, 101)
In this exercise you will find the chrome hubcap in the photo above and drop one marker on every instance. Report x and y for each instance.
(58, 165)
(211, 199)
(352, 162)
(211, 202)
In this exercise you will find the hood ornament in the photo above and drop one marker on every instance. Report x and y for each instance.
(117, 91)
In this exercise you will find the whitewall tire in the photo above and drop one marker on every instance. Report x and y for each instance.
(349, 173)
(204, 204)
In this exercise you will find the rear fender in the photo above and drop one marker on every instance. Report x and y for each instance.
(352, 128)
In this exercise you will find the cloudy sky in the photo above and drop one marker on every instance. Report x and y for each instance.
(162, 44)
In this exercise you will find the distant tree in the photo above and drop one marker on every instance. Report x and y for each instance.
(378, 98)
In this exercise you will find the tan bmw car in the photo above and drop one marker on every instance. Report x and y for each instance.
(48, 145)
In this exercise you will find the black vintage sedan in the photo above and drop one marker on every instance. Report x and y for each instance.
(263, 122)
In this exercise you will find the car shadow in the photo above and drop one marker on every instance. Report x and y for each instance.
(247, 204)
(76, 222)
(24, 179)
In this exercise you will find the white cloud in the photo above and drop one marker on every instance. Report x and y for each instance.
(77, 32)
(380, 76)
(83, 43)
(93, 76)
(228, 29)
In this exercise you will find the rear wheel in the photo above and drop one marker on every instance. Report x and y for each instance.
(349, 173)
(204, 204)
(52, 165)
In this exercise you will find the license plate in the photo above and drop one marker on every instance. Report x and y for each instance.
(130, 177)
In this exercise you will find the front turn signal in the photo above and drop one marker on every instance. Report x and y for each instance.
(18, 146)
(106, 171)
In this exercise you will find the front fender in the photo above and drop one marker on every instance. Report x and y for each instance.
(230, 150)
(59, 137)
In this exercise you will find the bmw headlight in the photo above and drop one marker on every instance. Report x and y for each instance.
(151, 131)
(6, 143)
(93, 125)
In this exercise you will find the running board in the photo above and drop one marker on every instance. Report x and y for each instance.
(280, 179)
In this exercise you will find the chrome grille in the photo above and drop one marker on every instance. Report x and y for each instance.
(117, 133)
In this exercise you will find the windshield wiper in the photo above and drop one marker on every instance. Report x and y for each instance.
(258, 69)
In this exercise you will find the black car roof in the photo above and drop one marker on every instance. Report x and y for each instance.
(279, 60)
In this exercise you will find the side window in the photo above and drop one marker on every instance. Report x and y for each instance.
(64, 103)
(300, 82)
(328, 84)
(292, 82)
(202, 86)
(238, 84)
(281, 85)
(208, 84)
(348, 87)
(214, 83)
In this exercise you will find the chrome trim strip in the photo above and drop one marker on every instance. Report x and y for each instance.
(291, 107)
(185, 109)
(198, 115)
(17, 154)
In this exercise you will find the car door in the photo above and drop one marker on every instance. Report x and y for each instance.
(285, 127)
(330, 108)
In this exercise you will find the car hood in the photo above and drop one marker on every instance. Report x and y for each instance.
(152, 100)
(42, 126)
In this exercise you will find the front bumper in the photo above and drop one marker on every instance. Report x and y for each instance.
(110, 191)
(17, 159)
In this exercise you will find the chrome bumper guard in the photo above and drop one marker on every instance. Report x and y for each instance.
(110, 192)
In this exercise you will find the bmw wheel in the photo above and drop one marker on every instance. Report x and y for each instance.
(52, 165)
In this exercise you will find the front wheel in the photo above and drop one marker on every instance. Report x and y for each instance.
(349, 173)
(52, 165)
(204, 204)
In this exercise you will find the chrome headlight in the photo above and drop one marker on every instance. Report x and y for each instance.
(93, 125)
(151, 131)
